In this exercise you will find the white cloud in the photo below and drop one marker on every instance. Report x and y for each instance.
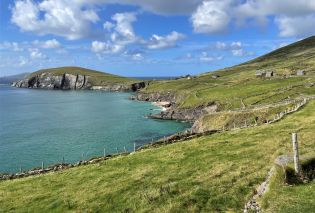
(123, 28)
(221, 45)
(163, 42)
(49, 44)
(137, 56)
(293, 18)
(121, 33)
(296, 26)
(36, 54)
(205, 57)
(108, 25)
(13, 46)
(59, 17)
(99, 47)
(236, 45)
(162, 7)
(238, 52)
(22, 61)
(211, 17)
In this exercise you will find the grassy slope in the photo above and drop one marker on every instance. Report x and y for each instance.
(239, 83)
(96, 77)
(211, 173)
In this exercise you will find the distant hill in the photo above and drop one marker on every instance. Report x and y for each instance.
(12, 78)
(78, 78)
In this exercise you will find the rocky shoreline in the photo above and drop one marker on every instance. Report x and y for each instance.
(171, 110)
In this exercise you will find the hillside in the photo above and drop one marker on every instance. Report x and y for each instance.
(239, 83)
(77, 78)
(208, 97)
(12, 78)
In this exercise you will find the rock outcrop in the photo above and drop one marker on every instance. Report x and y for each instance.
(47, 80)
(174, 112)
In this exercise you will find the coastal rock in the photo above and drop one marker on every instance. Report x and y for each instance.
(174, 112)
(138, 86)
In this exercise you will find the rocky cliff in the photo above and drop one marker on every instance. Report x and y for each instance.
(174, 112)
(47, 80)
(67, 81)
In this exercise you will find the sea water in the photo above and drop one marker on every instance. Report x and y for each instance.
(51, 125)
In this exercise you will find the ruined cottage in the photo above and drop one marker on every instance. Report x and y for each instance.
(300, 72)
(270, 74)
(260, 73)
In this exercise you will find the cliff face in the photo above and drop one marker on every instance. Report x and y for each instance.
(50, 81)
(173, 112)
(67, 81)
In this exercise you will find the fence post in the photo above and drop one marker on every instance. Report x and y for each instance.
(63, 160)
(20, 169)
(104, 152)
(42, 165)
(125, 149)
(297, 166)
(134, 147)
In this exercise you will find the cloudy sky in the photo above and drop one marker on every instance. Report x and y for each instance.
(146, 37)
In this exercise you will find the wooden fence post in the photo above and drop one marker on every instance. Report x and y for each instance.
(42, 165)
(134, 147)
(104, 152)
(297, 166)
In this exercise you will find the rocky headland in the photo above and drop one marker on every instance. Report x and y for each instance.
(66, 81)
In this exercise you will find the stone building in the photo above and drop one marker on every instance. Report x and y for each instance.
(300, 72)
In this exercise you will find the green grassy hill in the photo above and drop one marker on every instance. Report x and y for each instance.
(97, 78)
(239, 84)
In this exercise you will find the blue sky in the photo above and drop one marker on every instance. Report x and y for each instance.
(146, 37)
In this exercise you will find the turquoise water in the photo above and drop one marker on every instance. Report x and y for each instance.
(43, 125)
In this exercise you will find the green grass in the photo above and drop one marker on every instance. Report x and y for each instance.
(97, 78)
(227, 119)
(239, 83)
(209, 174)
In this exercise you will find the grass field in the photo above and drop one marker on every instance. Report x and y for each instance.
(209, 174)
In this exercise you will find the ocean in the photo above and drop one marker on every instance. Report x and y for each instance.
(51, 125)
